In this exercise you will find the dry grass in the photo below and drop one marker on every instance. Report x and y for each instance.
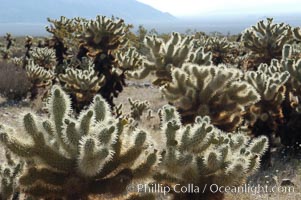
(14, 84)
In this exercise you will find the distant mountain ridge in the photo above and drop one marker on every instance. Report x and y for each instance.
(36, 11)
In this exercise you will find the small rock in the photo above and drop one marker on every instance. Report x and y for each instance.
(287, 182)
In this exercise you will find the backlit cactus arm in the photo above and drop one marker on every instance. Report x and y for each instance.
(297, 33)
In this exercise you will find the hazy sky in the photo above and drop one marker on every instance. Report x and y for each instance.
(201, 7)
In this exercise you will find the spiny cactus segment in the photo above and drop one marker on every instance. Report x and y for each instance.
(9, 173)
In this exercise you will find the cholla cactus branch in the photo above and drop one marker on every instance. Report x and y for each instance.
(9, 172)
(209, 90)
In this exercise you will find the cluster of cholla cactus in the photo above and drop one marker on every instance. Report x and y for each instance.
(9, 172)
(167, 55)
(72, 158)
(84, 145)
(210, 90)
(82, 83)
(199, 154)
(266, 40)
(98, 39)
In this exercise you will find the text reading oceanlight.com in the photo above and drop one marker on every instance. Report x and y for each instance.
(213, 188)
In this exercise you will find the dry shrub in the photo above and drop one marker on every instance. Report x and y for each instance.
(14, 84)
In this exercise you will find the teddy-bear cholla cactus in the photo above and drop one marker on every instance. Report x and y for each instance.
(103, 34)
(289, 132)
(72, 158)
(10, 40)
(219, 48)
(44, 57)
(38, 76)
(138, 108)
(210, 90)
(62, 28)
(100, 39)
(82, 83)
(9, 173)
(201, 154)
(266, 39)
(166, 55)
(269, 81)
